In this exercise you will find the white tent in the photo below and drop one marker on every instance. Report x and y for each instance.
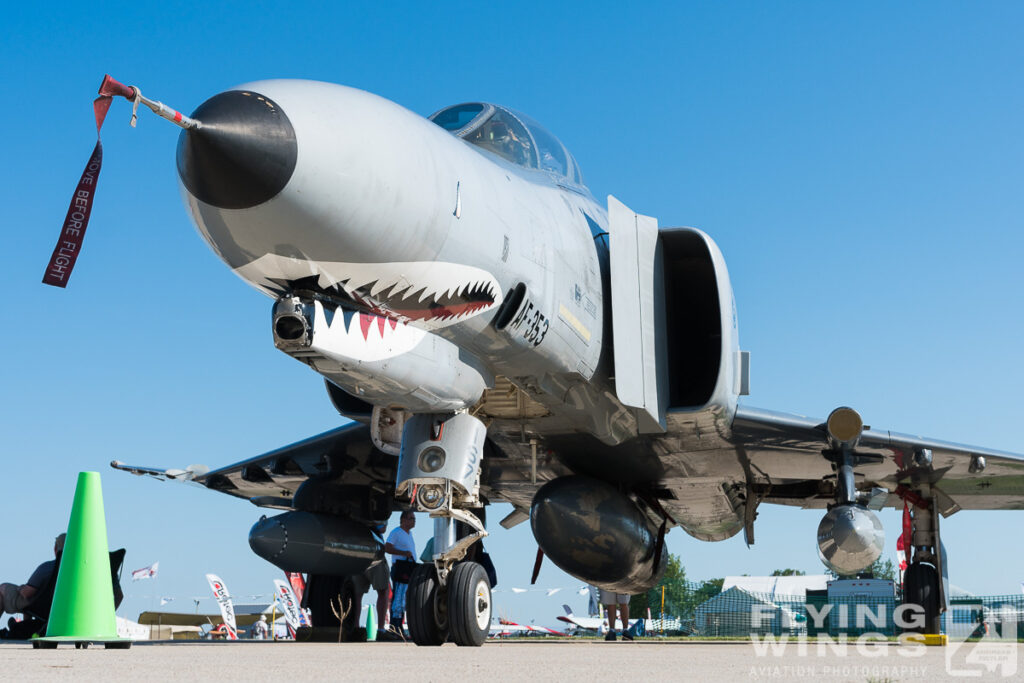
(732, 613)
(772, 586)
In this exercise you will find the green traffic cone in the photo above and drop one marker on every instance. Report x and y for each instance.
(371, 623)
(83, 600)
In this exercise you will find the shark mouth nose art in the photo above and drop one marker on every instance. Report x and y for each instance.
(427, 293)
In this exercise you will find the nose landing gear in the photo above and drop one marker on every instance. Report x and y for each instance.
(439, 468)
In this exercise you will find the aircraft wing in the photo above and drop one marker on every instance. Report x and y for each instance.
(270, 480)
(585, 623)
(778, 456)
(785, 462)
(506, 627)
(149, 618)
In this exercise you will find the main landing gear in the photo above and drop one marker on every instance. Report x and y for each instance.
(333, 602)
(440, 469)
(922, 581)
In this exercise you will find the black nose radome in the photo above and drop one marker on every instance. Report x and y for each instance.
(243, 154)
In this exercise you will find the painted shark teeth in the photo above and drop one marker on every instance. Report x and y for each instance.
(427, 294)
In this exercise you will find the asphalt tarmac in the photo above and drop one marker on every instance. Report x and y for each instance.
(513, 661)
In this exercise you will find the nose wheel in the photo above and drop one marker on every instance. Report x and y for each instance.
(460, 611)
(469, 604)
(426, 607)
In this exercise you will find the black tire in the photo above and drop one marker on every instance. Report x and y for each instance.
(469, 604)
(323, 592)
(426, 609)
(351, 597)
(319, 591)
(921, 587)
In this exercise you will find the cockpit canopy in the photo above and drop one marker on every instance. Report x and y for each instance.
(511, 135)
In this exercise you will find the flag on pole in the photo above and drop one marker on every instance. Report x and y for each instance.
(298, 588)
(298, 584)
(289, 605)
(227, 609)
(146, 572)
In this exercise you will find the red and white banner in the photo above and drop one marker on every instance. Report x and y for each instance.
(298, 584)
(298, 588)
(146, 572)
(289, 605)
(227, 609)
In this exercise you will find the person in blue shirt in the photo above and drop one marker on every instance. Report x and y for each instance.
(401, 546)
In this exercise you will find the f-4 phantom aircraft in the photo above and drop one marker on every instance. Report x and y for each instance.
(497, 334)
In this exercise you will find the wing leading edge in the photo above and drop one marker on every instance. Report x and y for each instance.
(341, 456)
(785, 451)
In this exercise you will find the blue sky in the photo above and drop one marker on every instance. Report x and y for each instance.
(860, 167)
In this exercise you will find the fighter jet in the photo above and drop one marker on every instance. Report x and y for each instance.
(495, 333)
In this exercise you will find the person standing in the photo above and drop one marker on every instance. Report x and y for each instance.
(402, 548)
(610, 601)
(260, 628)
(379, 578)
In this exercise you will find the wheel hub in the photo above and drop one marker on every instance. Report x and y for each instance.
(483, 606)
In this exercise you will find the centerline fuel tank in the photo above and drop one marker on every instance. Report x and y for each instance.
(596, 533)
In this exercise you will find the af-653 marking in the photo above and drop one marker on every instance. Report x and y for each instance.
(533, 324)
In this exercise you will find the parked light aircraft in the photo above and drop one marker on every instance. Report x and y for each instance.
(590, 623)
(497, 334)
(599, 624)
(503, 628)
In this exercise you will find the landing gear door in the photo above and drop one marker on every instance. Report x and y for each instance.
(638, 315)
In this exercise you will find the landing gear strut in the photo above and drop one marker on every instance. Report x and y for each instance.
(922, 581)
(440, 469)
